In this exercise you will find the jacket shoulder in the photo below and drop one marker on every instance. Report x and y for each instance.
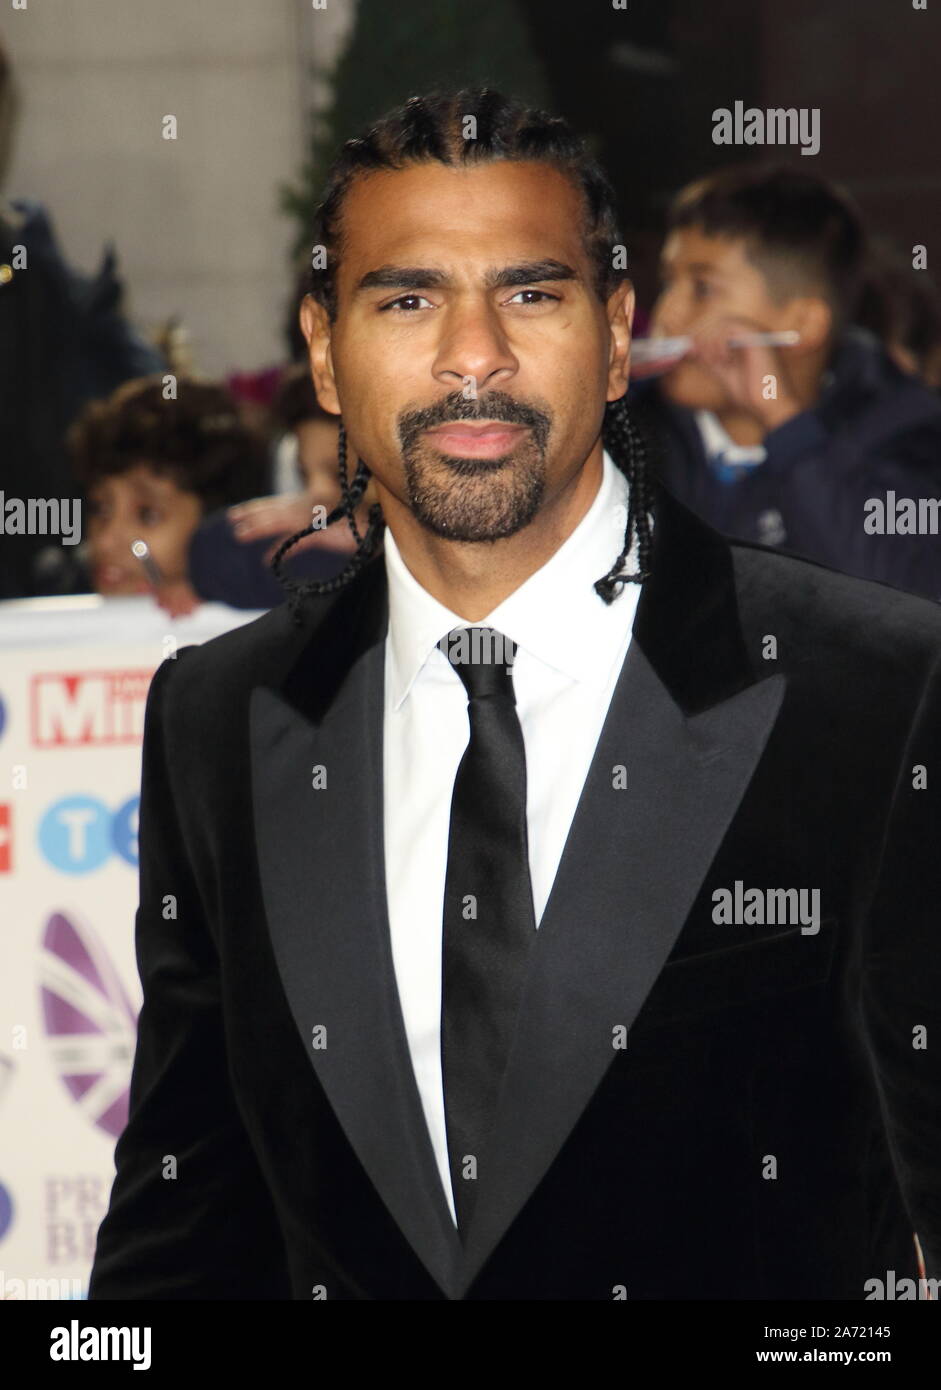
(860, 621)
(215, 678)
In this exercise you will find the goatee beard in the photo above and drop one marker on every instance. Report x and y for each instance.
(475, 499)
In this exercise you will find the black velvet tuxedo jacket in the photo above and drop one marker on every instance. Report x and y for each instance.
(692, 1109)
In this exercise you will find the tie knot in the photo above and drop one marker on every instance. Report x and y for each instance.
(483, 658)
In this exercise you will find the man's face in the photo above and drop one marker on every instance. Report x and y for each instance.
(456, 281)
(708, 280)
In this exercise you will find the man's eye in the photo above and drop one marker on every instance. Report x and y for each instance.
(401, 300)
(701, 289)
(541, 293)
(148, 516)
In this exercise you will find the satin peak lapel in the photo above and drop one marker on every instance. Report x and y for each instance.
(322, 873)
(689, 719)
(634, 861)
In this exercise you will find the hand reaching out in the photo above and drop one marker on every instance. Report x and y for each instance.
(283, 516)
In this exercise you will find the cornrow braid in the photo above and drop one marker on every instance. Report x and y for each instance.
(623, 440)
(626, 444)
(299, 590)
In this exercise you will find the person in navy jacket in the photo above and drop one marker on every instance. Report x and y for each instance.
(824, 447)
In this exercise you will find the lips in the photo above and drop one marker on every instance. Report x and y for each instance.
(476, 441)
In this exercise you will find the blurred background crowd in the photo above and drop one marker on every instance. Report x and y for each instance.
(159, 169)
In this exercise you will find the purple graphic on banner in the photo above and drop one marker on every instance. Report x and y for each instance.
(6, 1211)
(6, 1201)
(91, 1024)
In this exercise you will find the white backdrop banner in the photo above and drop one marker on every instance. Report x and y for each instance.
(74, 676)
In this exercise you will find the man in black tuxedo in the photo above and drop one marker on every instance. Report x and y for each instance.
(521, 919)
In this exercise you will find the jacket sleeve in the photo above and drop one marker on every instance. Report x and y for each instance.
(901, 977)
(190, 1216)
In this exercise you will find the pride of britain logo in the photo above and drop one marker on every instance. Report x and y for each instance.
(90, 1024)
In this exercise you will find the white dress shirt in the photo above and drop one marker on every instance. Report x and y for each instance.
(570, 649)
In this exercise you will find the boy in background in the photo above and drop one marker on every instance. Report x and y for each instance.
(785, 446)
(231, 552)
(152, 468)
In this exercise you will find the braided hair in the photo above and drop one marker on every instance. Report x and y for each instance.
(434, 128)
(352, 492)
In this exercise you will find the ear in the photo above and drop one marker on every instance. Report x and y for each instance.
(812, 317)
(620, 311)
(315, 326)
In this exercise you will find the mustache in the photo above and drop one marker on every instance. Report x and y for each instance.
(458, 409)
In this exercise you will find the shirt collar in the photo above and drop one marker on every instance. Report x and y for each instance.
(555, 615)
(718, 443)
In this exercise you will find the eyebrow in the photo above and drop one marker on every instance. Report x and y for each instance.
(392, 277)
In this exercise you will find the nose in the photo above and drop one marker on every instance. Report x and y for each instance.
(473, 344)
(112, 539)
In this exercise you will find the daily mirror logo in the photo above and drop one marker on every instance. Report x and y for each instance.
(88, 709)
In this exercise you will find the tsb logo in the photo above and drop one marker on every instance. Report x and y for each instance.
(78, 834)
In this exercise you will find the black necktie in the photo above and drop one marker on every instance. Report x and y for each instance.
(489, 921)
